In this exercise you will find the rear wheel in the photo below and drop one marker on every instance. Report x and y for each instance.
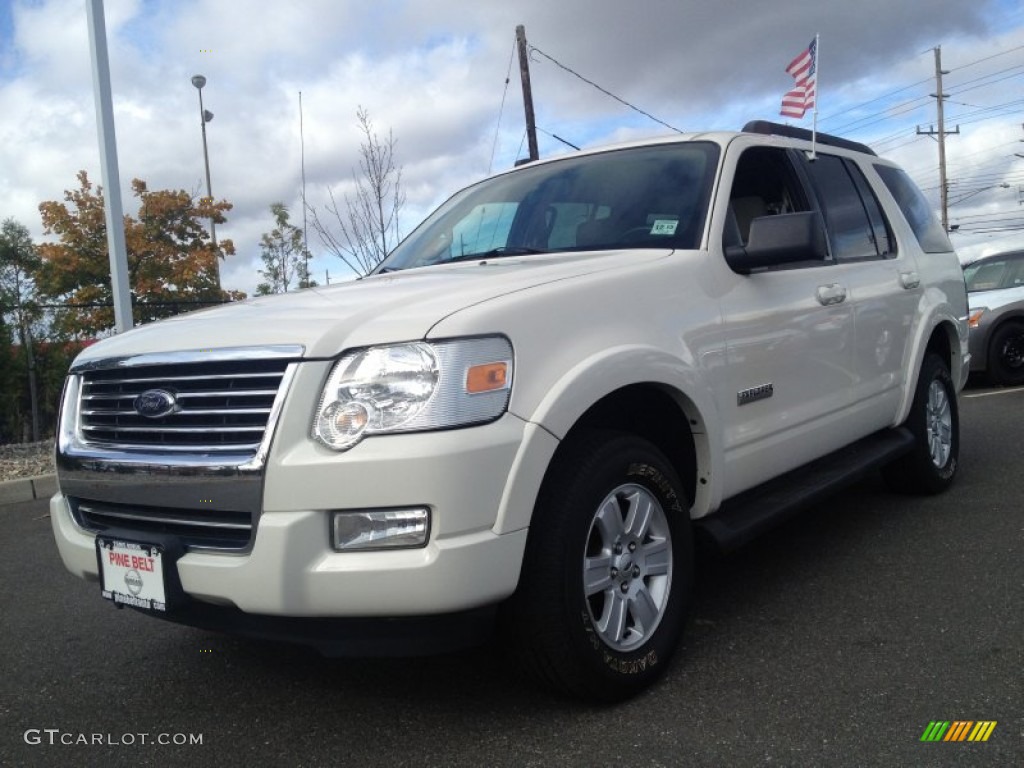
(608, 570)
(934, 420)
(1006, 354)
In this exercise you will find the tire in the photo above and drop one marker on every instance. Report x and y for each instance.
(934, 421)
(1006, 354)
(604, 588)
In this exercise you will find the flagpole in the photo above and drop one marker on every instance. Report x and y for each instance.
(817, 92)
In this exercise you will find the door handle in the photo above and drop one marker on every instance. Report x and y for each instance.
(833, 293)
(909, 280)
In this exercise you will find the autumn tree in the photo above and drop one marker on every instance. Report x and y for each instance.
(172, 265)
(363, 230)
(19, 262)
(285, 258)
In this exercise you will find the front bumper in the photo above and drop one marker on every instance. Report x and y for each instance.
(291, 570)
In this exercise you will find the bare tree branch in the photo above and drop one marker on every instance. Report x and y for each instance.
(365, 229)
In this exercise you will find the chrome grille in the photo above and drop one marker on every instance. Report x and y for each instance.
(218, 405)
(197, 529)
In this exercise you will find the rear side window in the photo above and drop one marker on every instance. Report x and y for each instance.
(918, 213)
(856, 227)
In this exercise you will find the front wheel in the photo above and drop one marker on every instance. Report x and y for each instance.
(1006, 354)
(934, 421)
(608, 569)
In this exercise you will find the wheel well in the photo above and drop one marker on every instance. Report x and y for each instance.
(651, 412)
(941, 345)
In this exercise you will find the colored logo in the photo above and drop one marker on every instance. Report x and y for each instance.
(958, 730)
(154, 403)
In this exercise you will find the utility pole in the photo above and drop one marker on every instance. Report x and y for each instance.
(1020, 189)
(524, 74)
(940, 134)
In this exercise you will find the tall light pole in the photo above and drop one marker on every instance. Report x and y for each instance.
(206, 116)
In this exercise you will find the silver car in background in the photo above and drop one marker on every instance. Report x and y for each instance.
(995, 292)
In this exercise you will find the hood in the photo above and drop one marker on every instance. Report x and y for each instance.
(997, 298)
(396, 306)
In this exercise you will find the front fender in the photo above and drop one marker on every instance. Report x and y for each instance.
(589, 381)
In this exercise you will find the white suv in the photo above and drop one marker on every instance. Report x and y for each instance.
(529, 406)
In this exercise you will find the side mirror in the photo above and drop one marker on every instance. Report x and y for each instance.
(788, 238)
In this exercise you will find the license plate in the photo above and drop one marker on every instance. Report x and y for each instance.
(132, 573)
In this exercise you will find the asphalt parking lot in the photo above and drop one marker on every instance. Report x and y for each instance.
(833, 641)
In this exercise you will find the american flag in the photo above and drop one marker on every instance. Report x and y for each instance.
(804, 69)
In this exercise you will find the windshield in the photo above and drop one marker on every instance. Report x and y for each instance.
(648, 197)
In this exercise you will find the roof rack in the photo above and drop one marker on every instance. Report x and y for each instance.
(778, 129)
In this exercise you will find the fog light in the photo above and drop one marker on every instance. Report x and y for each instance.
(380, 528)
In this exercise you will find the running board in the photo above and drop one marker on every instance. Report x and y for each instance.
(753, 512)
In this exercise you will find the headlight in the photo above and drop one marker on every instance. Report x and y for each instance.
(414, 387)
(975, 317)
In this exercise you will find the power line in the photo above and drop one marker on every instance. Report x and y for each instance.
(888, 114)
(898, 91)
(911, 140)
(914, 104)
(991, 230)
(982, 110)
(989, 216)
(976, 83)
(877, 98)
(879, 116)
(986, 58)
(602, 90)
(501, 109)
(521, 142)
(928, 172)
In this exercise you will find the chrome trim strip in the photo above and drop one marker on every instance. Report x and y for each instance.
(181, 395)
(172, 430)
(126, 451)
(169, 519)
(162, 379)
(259, 460)
(276, 352)
(197, 411)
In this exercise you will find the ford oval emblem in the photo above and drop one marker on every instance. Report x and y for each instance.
(154, 403)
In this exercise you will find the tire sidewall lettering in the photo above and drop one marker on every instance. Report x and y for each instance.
(661, 484)
(637, 663)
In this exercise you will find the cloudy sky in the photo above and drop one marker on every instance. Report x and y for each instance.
(434, 72)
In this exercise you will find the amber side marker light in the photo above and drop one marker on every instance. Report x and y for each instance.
(487, 377)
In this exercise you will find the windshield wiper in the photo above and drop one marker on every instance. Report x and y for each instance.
(512, 250)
